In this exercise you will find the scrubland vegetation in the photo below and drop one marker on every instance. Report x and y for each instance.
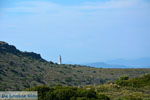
(123, 89)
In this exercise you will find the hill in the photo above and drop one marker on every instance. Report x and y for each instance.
(121, 63)
(20, 70)
(137, 63)
(105, 65)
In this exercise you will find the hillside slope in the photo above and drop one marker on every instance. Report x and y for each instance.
(20, 70)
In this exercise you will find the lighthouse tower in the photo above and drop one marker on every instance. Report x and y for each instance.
(59, 60)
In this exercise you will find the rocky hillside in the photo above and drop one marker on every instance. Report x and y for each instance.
(20, 70)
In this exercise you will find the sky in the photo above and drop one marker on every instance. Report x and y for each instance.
(78, 30)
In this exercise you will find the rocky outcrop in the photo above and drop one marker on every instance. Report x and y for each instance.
(6, 48)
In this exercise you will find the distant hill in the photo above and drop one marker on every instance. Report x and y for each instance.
(20, 70)
(141, 62)
(105, 65)
(121, 63)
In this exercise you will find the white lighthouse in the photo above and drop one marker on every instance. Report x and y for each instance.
(59, 60)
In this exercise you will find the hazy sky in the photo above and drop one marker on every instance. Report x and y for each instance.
(79, 30)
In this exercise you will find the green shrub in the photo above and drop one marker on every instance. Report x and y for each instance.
(86, 93)
(42, 91)
(130, 98)
(103, 97)
(135, 82)
(124, 78)
(61, 93)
